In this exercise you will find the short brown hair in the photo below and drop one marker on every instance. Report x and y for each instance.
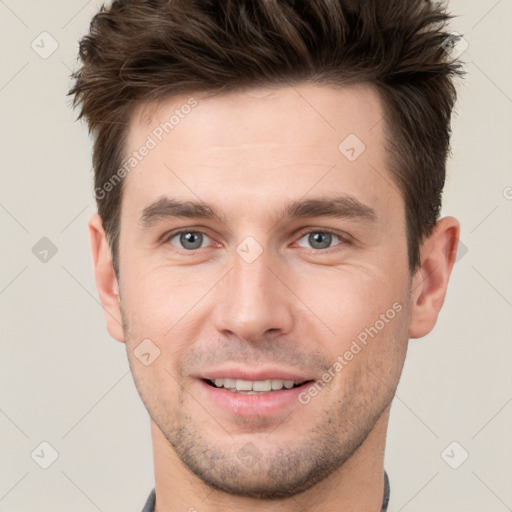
(144, 50)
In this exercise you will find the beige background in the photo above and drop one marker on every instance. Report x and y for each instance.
(63, 380)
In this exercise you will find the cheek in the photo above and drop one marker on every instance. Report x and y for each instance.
(165, 306)
(157, 385)
(346, 301)
(158, 295)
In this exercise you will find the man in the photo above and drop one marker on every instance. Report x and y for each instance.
(268, 177)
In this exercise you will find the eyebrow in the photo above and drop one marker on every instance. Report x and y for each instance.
(347, 207)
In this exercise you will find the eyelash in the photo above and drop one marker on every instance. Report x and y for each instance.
(344, 239)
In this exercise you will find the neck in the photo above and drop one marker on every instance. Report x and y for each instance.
(356, 486)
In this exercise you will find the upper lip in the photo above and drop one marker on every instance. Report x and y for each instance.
(248, 374)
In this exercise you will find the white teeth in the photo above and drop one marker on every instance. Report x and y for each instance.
(229, 383)
(262, 385)
(277, 384)
(254, 386)
(243, 385)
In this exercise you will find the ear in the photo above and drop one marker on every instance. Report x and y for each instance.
(106, 281)
(438, 254)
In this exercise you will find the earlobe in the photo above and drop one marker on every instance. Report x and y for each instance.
(106, 281)
(438, 254)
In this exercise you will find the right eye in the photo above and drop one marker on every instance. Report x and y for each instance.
(188, 240)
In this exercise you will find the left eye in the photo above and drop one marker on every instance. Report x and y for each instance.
(320, 239)
(190, 240)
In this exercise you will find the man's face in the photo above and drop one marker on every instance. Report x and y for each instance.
(263, 292)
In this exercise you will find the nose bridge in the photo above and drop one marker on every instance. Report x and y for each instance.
(251, 280)
(251, 301)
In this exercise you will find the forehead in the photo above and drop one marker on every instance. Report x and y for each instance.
(265, 143)
(321, 108)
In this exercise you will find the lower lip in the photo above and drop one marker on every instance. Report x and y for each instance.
(242, 404)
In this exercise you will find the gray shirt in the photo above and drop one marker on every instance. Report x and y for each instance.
(150, 504)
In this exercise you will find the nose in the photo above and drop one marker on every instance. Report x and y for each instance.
(253, 302)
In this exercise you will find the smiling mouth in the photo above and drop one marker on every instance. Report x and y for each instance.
(254, 387)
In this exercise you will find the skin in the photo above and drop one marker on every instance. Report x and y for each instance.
(295, 307)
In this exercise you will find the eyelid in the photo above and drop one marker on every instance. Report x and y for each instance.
(186, 229)
(305, 231)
